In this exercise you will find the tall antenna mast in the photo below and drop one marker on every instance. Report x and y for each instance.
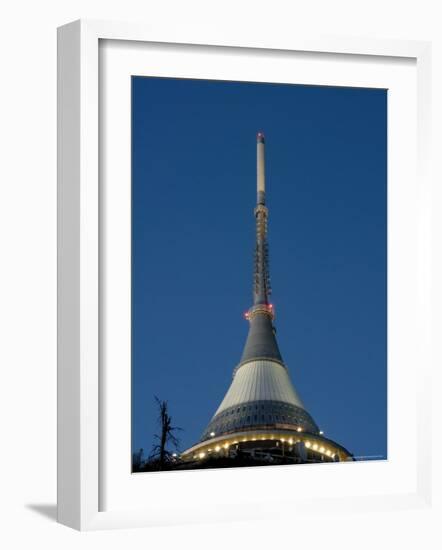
(261, 287)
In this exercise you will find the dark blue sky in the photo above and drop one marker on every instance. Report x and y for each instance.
(194, 190)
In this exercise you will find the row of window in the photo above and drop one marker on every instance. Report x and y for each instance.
(272, 405)
(254, 419)
(269, 412)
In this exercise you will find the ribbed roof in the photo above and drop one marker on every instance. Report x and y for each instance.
(260, 380)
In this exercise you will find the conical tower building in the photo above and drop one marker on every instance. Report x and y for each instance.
(262, 415)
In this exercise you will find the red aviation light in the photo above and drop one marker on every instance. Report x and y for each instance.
(271, 310)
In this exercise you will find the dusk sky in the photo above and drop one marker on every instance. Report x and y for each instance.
(193, 230)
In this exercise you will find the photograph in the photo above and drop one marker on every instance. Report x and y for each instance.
(258, 274)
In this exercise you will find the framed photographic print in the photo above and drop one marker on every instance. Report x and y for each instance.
(241, 281)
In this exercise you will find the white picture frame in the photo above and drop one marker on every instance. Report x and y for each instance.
(79, 276)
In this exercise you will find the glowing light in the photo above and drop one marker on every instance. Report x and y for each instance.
(217, 448)
(328, 453)
(291, 441)
(315, 447)
(202, 455)
(299, 429)
(282, 439)
(321, 432)
(212, 434)
(321, 449)
(244, 440)
(174, 455)
(308, 444)
(235, 442)
(226, 445)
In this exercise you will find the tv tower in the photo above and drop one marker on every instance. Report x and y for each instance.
(262, 416)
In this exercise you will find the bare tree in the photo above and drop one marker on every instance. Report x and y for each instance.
(160, 452)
